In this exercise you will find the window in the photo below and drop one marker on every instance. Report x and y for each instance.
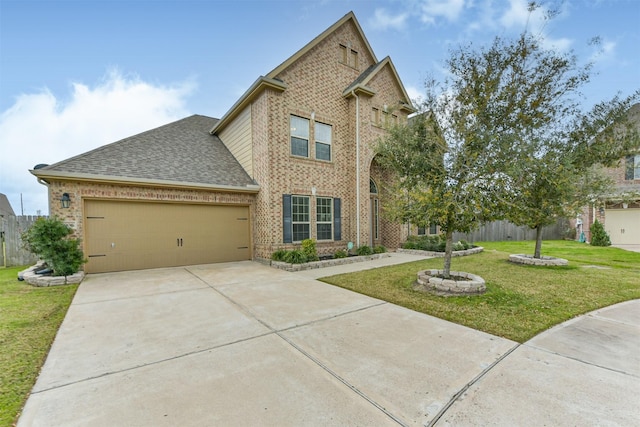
(375, 116)
(632, 167)
(299, 136)
(322, 134)
(348, 56)
(300, 218)
(296, 221)
(433, 229)
(376, 219)
(373, 188)
(324, 218)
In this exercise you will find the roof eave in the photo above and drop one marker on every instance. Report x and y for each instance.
(358, 90)
(262, 83)
(132, 181)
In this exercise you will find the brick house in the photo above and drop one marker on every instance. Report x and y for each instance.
(620, 212)
(292, 159)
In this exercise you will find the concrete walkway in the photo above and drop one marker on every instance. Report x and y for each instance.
(244, 344)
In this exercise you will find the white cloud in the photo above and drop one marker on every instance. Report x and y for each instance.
(432, 9)
(40, 128)
(416, 95)
(382, 20)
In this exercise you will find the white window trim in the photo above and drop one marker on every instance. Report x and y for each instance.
(299, 136)
(294, 222)
(330, 222)
(317, 141)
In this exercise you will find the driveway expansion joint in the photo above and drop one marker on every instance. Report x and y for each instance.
(467, 386)
(584, 362)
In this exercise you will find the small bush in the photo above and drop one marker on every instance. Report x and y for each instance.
(435, 243)
(279, 255)
(599, 236)
(295, 257)
(364, 250)
(379, 249)
(341, 253)
(309, 249)
(49, 239)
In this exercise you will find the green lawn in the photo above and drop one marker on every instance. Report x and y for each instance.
(29, 320)
(521, 301)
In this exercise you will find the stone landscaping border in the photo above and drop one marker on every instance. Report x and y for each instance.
(545, 261)
(470, 285)
(324, 263)
(29, 275)
(465, 252)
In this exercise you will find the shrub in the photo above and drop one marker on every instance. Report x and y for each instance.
(49, 239)
(435, 243)
(279, 255)
(379, 249)
(341, 253)
(295, 257)
(364, 250)
(599, 236)
(309, 249)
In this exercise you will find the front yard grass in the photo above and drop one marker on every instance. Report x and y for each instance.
(29, 320)
(521, 301)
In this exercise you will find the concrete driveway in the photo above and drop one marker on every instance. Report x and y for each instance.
(244, 344)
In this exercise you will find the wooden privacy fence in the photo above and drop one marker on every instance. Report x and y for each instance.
(12, 253)
(498, 231)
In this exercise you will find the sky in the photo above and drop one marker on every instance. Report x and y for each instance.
(78, 74)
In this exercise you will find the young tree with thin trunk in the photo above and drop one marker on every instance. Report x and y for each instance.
(491, 141)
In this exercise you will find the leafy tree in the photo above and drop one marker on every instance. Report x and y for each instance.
(503, 136)
(560, 169)
(49, 239)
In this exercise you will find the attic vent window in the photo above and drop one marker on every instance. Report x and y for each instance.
(348, 56)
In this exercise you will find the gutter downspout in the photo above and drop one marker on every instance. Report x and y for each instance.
(46, 184)
(357, 167)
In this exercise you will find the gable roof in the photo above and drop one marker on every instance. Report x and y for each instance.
(271, 81)
(5, 206)
(360, 85)
(313, 43)
(178, 154)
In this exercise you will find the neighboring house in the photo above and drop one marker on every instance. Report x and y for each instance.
(621, 211)
(292, 159)
(5, 207)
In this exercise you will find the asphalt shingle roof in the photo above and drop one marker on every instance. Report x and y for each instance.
(183, 151)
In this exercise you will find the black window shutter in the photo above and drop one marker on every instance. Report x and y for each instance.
(337, 221)
(628, 173)
(286, 219)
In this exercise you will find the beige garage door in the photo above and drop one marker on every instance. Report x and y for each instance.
(623, 226)
(133, 235)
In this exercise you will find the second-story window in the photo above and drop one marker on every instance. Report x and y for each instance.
(322, 135)
(299, 136)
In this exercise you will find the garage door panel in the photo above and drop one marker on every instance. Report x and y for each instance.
(135, 235)
(623, 226)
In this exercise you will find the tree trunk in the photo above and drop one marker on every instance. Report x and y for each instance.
(536, 254)
(448, 250)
